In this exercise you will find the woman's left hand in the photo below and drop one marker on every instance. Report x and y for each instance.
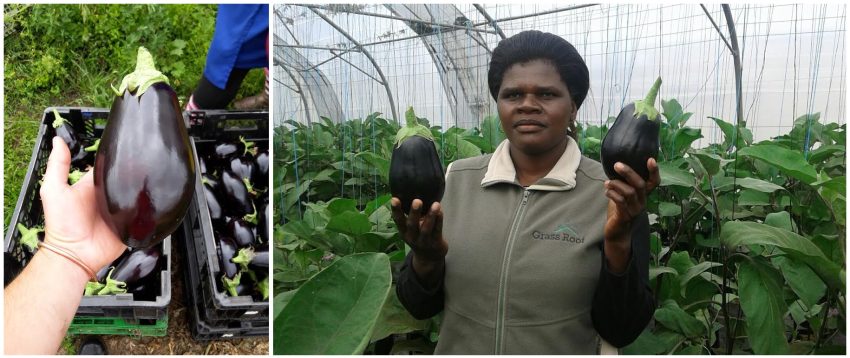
(627, 199)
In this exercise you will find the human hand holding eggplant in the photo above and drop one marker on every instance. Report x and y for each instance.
(626, 200)
(424, 235)
(71, 217)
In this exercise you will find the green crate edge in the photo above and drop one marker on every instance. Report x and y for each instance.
(118, 327)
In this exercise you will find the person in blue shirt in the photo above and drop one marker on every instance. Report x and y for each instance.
(239, 44)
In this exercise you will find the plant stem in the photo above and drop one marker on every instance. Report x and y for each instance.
(724, 269)
(819, 340)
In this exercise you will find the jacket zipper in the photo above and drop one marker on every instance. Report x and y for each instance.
(503, 277)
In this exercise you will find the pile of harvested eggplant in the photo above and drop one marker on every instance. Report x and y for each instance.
(235, 176)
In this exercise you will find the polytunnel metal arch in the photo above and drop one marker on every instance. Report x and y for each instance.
(437, 25)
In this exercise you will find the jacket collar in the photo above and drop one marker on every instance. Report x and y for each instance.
(562, 177)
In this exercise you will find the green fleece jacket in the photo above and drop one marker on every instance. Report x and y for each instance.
(522, 274)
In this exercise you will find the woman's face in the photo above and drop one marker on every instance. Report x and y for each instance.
(535, 107)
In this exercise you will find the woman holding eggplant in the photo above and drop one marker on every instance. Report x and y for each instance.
(532, 250)
(41, 302)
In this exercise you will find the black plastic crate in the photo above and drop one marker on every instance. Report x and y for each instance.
(201, 327)
(227, 125)
(28, 211)
(223, 307)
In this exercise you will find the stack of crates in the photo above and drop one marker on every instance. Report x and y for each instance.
(113, 314)
(213, 314)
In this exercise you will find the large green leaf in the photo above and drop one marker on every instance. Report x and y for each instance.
(645, 344)
(728, 183)
(821, 154)
(670, 175)
(737, 233)
(803, 281)
(336, 310)
(781, 220)
(711, 162)
(760, 294)
(670, 315)
(491, 128)
(668, 209)
(683, 138)
(695, 271)
(788, 161)
(395, 319)
(464, 148)
(381, 165)
(350, 222)
(281, 300)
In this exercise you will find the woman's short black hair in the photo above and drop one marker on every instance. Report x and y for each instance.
(537, 45)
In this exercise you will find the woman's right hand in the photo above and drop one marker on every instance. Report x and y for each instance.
(424, 235)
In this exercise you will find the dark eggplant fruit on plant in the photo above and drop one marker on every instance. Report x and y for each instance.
(144, 171)
(415, 168)
(633, 138)
(135, 267)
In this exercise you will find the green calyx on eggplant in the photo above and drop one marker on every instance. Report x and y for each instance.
(253, 257)
(30, 236)
(415, 168)
(94, 146)
(144, 173)
(75, 175)
(263, 288)
(633, 138)
(134, 267)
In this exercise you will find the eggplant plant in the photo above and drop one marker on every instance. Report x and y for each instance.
(747, 238)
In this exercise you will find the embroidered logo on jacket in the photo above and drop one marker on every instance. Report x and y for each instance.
(563, 233)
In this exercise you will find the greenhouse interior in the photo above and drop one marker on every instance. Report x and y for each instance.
(748, 223)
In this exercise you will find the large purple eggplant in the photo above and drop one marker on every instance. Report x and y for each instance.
(144, 172)
(135, 267)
